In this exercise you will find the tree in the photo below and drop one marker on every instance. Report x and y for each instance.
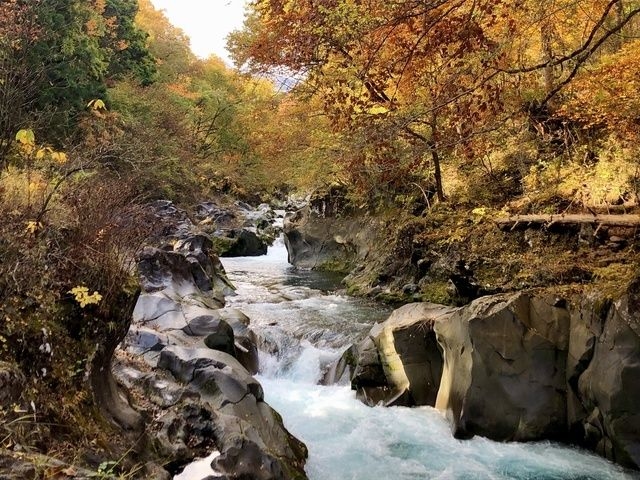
(19, 79)
(126, 43)
(423, 81)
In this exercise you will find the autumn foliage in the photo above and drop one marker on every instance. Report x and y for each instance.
(416, 85)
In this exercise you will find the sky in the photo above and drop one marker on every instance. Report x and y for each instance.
(206, 22)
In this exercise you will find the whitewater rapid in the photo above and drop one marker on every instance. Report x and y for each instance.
(303, 325)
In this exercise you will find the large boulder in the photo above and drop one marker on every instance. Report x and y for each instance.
(400, 362)
(604, 376)
(244, 243)
(190, 267)
(504, 368)
(317, 240)
(249, 434)
(516, 367)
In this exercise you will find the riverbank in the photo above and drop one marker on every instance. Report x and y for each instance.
(305, 325)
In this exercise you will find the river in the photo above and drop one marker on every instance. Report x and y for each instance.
(304, 325)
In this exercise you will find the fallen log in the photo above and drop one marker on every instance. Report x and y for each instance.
(514, 221)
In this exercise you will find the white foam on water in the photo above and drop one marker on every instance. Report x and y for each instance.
(348, 440)
(199, 469)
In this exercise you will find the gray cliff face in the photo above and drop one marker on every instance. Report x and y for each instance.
(192, 361)
(516, 367)
(504, 364)
(312, 243)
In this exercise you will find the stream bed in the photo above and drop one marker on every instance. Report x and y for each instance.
(304, 325)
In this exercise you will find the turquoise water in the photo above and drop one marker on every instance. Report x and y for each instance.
(303, 328)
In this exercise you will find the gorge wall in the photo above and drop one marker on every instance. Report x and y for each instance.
(548, 349)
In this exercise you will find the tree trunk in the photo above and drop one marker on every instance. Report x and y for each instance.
(437, 170)
(107, 395)
(437, 174)
(600, 220)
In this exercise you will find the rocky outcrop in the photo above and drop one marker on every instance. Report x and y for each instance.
(239, 230)
(504, 368)
(516, 367)
(244, 242)
(603, 373)
(400, 363)
(192, 362)
(317, 241)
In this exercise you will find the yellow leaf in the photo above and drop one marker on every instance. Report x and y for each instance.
(378, 110)
(59, 157)
(26, 137)
(97, 104)
(480, 211)
(81, 295)
(32, 227)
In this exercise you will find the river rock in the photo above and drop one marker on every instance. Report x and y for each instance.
(201, 386)
(253, 444)
(311, 242)
(185, 362)
(401, 363)
(341, 370)
(173, 221)
(246, 243)
(222, 339)
(203, 325)
(517, 366)
(504, 368)
(249, 434)
(141, 340)
(604, 376)
(221, 217)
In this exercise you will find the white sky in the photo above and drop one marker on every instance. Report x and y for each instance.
(206, 22)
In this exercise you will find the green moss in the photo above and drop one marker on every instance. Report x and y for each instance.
(436, 292)
(221, 245)
(336, 265)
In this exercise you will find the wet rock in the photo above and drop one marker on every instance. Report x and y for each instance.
(230, 335)
(187, 433)
(311, 241)
(186, 364)
(153, 306)
(254, 445)
(222, 339)
(246, 243)
(369, 380)
(604, 376)
(341, 370)
(408, 365)
(141, 340)
(247, 353)
(174, 222)
(204, 324)
(161, 269)
(504, 368)
(249, 434)
(220, 216)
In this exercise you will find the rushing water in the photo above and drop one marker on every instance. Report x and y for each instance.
(304, 326)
